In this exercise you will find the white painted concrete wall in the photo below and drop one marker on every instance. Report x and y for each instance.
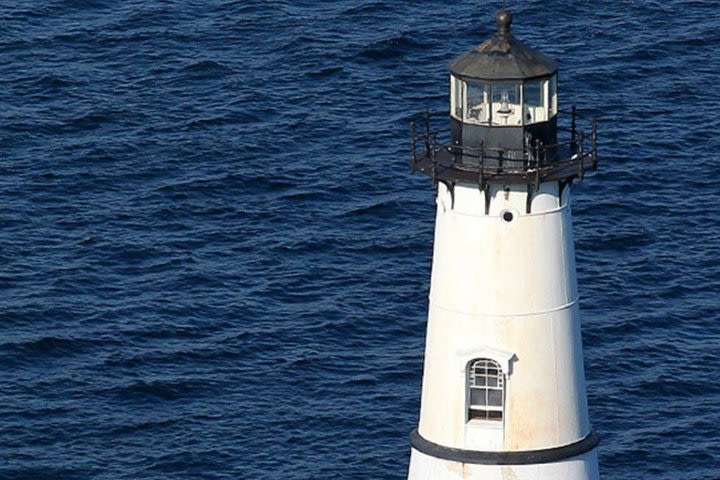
(506, 291)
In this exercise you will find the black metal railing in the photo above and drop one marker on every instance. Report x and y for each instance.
(533, 162)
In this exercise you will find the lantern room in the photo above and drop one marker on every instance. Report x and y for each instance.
(506, 126)
(503, 94)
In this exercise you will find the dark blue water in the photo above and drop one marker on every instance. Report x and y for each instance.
(214, 261)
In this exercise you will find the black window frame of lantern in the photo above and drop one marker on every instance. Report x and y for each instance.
(480, 386)
(459, 99)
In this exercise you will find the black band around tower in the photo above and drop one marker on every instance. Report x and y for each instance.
(526, 457)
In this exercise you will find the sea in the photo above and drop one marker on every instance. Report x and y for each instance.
(215, 260)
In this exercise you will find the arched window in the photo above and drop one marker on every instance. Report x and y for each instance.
(486, 390)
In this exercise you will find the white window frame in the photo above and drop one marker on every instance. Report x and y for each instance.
(457, 93)
(482, 382)
(552, 96)
(539, 114)
(506, 360)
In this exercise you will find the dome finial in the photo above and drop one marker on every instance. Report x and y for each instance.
(504, 20)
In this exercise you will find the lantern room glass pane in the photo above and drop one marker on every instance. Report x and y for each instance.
(506, 109)
(535, 101)
(533, 95)
(478, 106)
(553, 95)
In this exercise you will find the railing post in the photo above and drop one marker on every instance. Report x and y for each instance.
(581, 155)
(426, 117)
(412, 146)
(482, 155)
(594, 143)
(573, 128)
(540, 152)
(434, 161)
(526, 151)
(533, 152)
(481, 176)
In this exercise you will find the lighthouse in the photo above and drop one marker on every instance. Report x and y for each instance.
(503, 391)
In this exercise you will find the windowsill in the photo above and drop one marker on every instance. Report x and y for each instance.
(485, 424)
(484, 435)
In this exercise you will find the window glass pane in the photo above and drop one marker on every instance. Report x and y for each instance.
(478, 415)
(492, 382)
(553, 95)
(506, 105)
(478, 381)
(480, 369)
(477, 103)
(495, 398)
(533, 94)
(509, 94)
(535, 103)
(494, 415)
(478, 397)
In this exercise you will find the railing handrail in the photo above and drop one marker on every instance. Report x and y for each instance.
(574, 110)
(534, 154)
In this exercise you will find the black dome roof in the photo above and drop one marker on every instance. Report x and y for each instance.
(503, 57)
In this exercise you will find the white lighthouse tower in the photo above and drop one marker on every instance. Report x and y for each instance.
(503, 394)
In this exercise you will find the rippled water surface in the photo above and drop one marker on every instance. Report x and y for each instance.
(214, 261)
